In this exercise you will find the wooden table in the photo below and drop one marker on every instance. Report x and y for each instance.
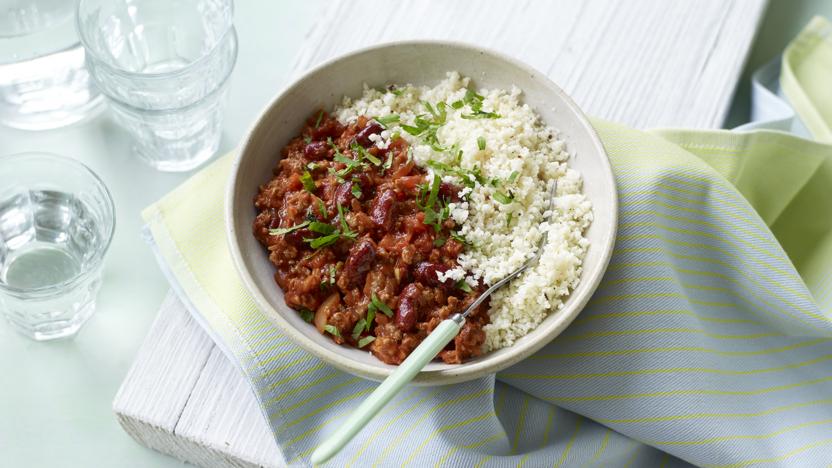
(643, 63)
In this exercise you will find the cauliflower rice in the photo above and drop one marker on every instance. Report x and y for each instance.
(514, 157)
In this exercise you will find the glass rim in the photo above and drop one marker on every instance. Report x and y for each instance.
(100, 251)
(213, 92)
(156, 75)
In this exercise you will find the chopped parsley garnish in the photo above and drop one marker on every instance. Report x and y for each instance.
(312, 166)
(358, 328)
(322, 209)
(365, 341)
(320, 116)
(356, 190)
(388, 119)
(426, 125)
(457, 104)
(481, 143)
(388, 163)
(281, 231)
(332, 330)
(375, 302)
(469, 177)
(306, 314)
(364, 154)
(308, 183)
(474, 101)
(307, 139)
(459, 238)
(508, 219)
(323, 241)
(345, 228)
(330, 235)
(463, 285)
(321, 228)
(434, 191)
(371, 315)
(503, 198)
(439, 241)
(513, 177)
(396, 91)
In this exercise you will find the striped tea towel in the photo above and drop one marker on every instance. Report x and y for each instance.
(709, 341)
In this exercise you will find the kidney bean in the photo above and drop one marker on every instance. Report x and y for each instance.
(343, 194)
(296, 237)
(315, 150)
(382, 210)
(449, 191)
(361, 257)
(363, 135)
(425, 272)
(406, 313)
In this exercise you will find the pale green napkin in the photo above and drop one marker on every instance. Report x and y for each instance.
(703, 344)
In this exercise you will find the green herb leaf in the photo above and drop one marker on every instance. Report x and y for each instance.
(457, 104)
(503, 198)
(322, 209)
(281, 231)
(459, 238)
(323, 241)
(481, 115)
(508, 219)
(307, 139)
(481, 143)
(388, 163)
(439, 241)
(332, 330)
(345, 228)
(388, 119)
(358, 328)
(308, 183)
(320, 116)
(434, 191)
(371, 315)
(356, 190)
(513, 177)
(306, 314)
(365, 341)
(381, 306)
(463, 285)
(321, 228)
(312, 166)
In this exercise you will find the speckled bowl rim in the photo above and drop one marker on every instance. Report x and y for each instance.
(469, 370)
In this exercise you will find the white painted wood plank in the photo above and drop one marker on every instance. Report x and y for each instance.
(155, 392)
(645, 63)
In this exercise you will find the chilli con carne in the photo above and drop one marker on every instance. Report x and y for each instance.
(358, 234)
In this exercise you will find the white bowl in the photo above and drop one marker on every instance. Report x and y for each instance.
(419, 63)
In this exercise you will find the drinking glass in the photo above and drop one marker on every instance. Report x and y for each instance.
(56, 222)
(43, 81)
(164, 65)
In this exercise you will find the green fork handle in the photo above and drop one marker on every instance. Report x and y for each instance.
(407, 370)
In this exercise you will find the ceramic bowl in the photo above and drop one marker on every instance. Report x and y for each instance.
(418, 63)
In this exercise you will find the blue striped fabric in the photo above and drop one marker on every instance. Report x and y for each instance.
(702, 345)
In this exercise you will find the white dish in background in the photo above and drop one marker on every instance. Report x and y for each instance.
(418, 63)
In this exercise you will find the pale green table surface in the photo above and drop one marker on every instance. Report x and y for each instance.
(55, 397)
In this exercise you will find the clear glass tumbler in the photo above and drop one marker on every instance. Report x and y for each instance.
(56, 222)
(43, 81)
(164, 66)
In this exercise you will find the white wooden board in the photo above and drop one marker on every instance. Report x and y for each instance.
(645, 63)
